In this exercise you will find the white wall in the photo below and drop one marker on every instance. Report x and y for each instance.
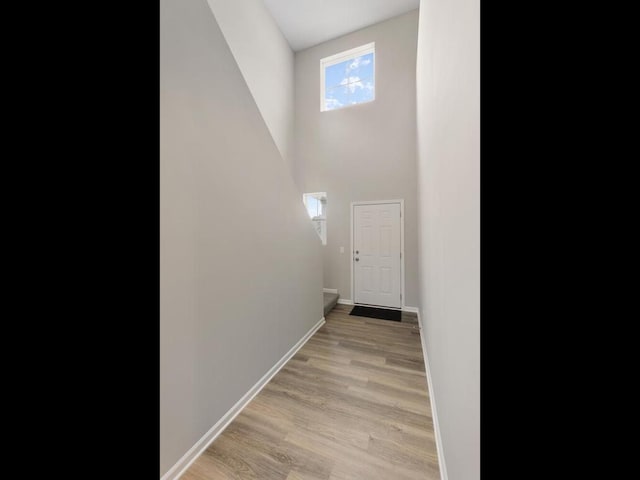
(240, 262)
(448, 89)
(363, 152)
(266, 62)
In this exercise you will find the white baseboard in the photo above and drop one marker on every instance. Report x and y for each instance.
(345, 301)
(330, 290)
(410, 309)
(434, 412)
(201, 445)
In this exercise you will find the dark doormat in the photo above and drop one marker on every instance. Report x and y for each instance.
(381, 313)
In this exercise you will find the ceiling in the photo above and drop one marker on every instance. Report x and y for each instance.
(306, 23)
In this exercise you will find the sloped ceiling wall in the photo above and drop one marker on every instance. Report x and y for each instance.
(266, 62)
(240, 262)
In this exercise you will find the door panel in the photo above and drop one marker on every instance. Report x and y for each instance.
(377, 263)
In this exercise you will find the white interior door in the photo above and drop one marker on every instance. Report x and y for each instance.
(376, 254)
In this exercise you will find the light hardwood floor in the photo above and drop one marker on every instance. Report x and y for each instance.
(351, 404)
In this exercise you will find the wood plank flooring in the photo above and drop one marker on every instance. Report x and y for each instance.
(351, 404)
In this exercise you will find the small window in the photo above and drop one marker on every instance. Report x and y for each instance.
(347, 78)
(316, 205)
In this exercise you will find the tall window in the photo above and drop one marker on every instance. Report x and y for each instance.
(347, 78)
(316, 205)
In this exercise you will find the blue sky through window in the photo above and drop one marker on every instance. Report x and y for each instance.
(313, 206)
(349, 82)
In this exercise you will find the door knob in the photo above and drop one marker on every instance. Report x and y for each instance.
(357, 259)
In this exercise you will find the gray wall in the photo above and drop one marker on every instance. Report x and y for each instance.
(363, 152)
(448, 87)
(240, 262)
(265, 60)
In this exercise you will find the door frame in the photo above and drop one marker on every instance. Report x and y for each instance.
(353, 280)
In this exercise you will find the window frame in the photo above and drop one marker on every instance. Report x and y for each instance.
(318, 218)
(339, 58)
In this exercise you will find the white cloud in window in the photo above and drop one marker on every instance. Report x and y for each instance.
(331, 103)
(352, 83)
(357, 62)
